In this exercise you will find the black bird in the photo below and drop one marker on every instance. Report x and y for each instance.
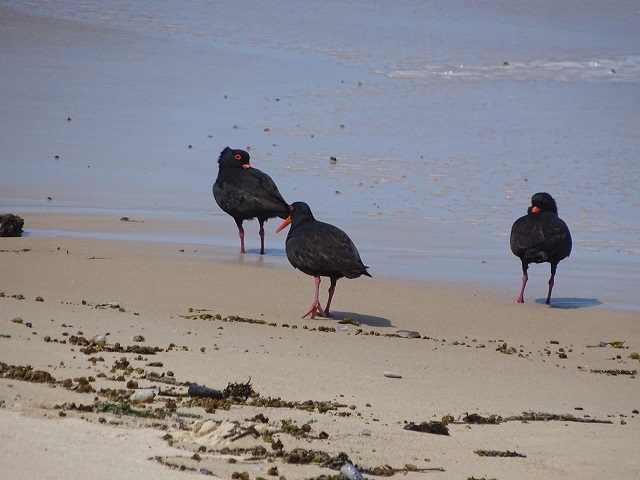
(321, 250)
(540, 236)
(246, 193)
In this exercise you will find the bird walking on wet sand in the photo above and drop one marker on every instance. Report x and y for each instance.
(540, 236)
(246, 193)
(320, 250)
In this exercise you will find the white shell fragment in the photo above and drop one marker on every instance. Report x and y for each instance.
(142, 395)
(392, 375)
(408, 333)
(350, 472)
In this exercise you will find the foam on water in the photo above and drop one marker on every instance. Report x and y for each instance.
(618, 69)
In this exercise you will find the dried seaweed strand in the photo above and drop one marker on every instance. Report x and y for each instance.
(543, 417)
(616, 372)
(497, 453)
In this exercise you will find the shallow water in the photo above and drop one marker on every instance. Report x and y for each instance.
(444, 118)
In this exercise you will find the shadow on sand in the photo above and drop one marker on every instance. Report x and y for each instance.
(369, 320)
(570, 303)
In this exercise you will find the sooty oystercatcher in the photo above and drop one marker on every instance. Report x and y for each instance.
(246, 193)
(321, 250)
(540, 236)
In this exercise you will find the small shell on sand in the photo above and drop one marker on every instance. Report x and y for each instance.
(408, 333)
(392, 375)
(142, 395)
(350, 472)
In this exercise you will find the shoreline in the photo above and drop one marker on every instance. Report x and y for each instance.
(421, 258)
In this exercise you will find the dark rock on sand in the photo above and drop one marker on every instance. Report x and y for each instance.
(11, 225)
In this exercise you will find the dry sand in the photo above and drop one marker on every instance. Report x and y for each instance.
(460, 366)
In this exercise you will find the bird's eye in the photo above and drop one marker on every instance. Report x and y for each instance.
(291, 208)
(237, 156)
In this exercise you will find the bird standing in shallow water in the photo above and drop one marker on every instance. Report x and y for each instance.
(246, 193)
(320, 250)
(540, 236)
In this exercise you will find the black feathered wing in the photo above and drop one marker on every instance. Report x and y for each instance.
(541, 237)
(318, 248)
(248, 194)
(558, 238)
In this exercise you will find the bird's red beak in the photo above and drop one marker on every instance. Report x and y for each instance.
(285, 224)
(535, 209)
(246, 166)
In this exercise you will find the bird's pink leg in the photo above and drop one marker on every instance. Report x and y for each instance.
(551, 282)
(525, 277)
(332, 289)
(261, 231)
(315, 307)
(554, 266)
(241, 233)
